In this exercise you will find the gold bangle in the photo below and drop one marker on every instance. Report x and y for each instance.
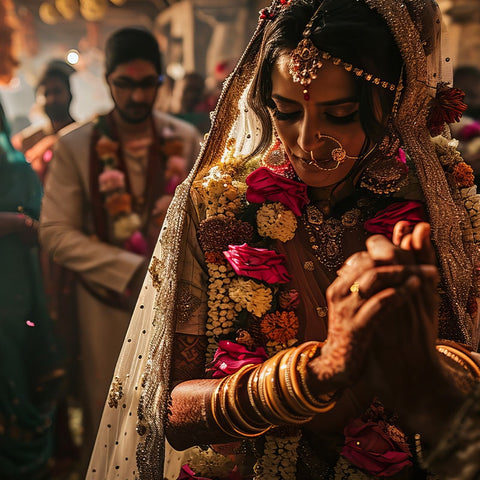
(213, 406)
(293, 367)
(286, 385)
(419, 451)
(239, 432)
(460, 356)
(262, 396)
(234, 406)
(252, 391)
(274, 400)
(238, 429)
(322, 401)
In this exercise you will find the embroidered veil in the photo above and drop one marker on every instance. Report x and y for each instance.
(131, 439)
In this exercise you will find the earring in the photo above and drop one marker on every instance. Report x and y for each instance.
(276, 160)
(386, 173)
(390, 143)
(275, 156)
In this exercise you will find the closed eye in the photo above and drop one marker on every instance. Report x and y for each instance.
(342, 120)
(284, 116)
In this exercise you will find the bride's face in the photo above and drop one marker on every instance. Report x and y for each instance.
(332, 110)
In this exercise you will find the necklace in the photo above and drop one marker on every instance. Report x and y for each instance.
(325, 234)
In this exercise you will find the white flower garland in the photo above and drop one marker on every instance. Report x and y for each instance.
(279, 460)
(276, 221)
(221, 309)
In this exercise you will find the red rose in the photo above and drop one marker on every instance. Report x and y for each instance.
(231, 356)
(263, 185)
(260, 263)
(186, 473)
(384, 221)
(368, 447)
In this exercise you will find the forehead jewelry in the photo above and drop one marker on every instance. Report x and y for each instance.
(306, 59)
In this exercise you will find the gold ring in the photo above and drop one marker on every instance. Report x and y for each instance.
(355, 287)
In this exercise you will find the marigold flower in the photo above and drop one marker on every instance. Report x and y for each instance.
(215, 257)
(463, 174)
(118, 203)
(172, 147)
(106, 147)
(280, 326)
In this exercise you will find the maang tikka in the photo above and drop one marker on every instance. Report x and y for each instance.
(305, 58)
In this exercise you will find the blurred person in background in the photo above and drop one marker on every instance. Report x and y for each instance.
(55, 96)
(214, 84)
(31, 369)
(109, 185)
(187, 96)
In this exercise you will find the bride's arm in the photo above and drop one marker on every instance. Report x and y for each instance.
(188, 423)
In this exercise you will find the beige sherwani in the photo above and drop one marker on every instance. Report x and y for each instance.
(67, 234)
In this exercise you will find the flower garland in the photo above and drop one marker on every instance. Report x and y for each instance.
(118, 202)
(245, 290)
(463, 177)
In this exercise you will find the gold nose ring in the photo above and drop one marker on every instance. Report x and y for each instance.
(314, 163)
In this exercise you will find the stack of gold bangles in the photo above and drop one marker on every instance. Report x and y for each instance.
(277, 391)
(461, 356)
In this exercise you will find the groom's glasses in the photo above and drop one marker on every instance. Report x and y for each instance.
(128, 84)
